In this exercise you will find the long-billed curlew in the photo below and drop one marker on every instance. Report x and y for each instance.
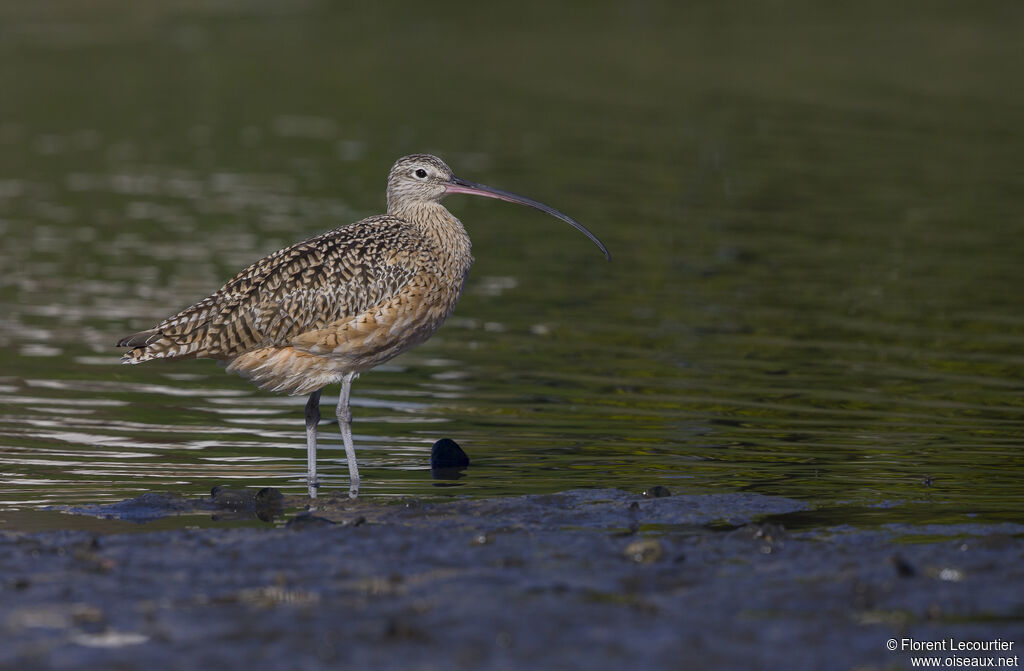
(336, 305)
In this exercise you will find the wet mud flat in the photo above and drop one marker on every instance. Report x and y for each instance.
(588, 579)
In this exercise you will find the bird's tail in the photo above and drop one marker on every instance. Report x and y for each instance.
(154, 344)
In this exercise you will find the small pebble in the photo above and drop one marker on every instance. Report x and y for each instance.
(644, 551)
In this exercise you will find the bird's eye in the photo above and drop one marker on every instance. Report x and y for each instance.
(420, 172)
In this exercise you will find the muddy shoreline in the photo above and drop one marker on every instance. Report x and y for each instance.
(587, 579)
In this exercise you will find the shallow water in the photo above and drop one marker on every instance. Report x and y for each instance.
(814, 219)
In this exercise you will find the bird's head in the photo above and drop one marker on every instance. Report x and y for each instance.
(418, 179)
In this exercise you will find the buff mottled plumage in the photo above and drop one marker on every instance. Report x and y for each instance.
(328, 308)
(344, 301)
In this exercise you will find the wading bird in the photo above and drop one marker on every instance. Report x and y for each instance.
(329, 308)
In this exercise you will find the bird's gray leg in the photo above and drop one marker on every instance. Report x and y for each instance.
(312, 420)
(344, 413)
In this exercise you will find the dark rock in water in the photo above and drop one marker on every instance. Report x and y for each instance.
(269, 497)
(269, 504)
(446, 453)
(656, 492)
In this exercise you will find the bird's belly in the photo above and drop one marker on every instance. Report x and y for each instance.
(356, 344)
(383, 332)
(365, 342)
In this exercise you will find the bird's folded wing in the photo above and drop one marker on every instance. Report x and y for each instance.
(299, 289)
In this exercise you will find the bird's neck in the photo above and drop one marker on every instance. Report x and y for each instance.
(439, 224)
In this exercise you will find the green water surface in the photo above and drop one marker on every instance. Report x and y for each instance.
(814, 213)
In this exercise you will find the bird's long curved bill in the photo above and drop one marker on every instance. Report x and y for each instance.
(458, 185)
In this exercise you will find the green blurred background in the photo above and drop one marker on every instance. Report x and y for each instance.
(814, 213)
